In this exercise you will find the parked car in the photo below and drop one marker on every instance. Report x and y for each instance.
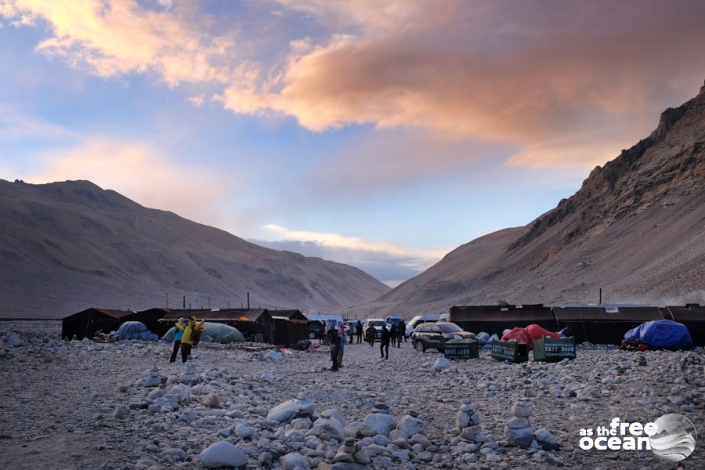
(316, 328)
(434, 335)
(377, 324)
(393, 320)
(444, 317)
(350, 324)
(419, 320)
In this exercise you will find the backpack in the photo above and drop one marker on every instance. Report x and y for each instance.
(195, 336)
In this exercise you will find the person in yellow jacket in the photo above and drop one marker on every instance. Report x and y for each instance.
(187, 338)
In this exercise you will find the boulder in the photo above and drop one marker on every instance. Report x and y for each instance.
(380, 422)
(285, 412)
(223, 454)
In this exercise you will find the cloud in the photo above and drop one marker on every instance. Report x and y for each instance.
(563, 83)
(15, 126)
(135, 170)
(122, 36)
(386, 261)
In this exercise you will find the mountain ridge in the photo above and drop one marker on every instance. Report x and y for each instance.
(634, 228)
(79, 227)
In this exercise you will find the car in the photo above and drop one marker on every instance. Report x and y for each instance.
(377, 324)
(394, 320)
(418, 320)
(350, 325)
(316, 328)
(434, 335)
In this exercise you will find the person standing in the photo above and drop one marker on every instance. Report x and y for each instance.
(384, 345)
(351, 332)
(358, 330)
(180, 325)
(393, 334)
(341, 349)
(187, 338)
(400, 333)
(334, 340)
(403, 329)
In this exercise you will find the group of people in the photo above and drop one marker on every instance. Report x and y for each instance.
(393, 335)
(187, 333)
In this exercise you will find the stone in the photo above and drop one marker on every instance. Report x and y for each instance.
(521, 411)
(518, 423)
(519, 437)
(381, 423)
(211, 400)
(174, 453)
(285, 412)
(334, 414)
(410, 425)
(544, 436)
(243, 431)
(332, 427)
(294, 461)
(222, 454)
(360, 430)
(462, 419)
(441, 364)
(119, 412)
(274, 356)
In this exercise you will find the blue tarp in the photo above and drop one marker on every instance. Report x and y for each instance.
(135, 330)
(661, 334)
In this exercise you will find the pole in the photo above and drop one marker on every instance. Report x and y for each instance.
(167, 300)
(184, 302)
(248, 301)
(600, 295)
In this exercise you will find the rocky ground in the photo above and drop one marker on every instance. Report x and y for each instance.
(85, 405)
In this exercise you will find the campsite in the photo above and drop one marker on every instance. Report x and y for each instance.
(413, 411)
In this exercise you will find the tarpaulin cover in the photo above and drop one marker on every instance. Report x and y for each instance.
(661, 334)
(536, 332)
(135, 330)
(220, 333)
(520, 335)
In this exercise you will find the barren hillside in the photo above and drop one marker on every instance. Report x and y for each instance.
(636, 229)
(67, 246)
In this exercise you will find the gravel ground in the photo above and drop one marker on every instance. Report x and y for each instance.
(84, 405)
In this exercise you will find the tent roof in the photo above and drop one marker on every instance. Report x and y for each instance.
(689, 313)
(607, 313)
(494, 313)
(220, 315)
(288, 314)
(117, 314)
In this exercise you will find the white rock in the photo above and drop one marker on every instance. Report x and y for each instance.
(332, 427)
(441, 364)
(410, 425)
(380, 422)
(274, 356)
(285, 412)
(222, 454)
(293, 460)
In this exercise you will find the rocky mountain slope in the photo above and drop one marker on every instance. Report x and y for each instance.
(636, 229)
(71, 245)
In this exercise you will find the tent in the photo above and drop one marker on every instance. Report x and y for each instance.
(135, 330)
(252, 323)
(666, 334)
(86, 323)
(290, 326)
(602, 324)
(692, 316)
(220, 333)
(494, 319)
(152, 316)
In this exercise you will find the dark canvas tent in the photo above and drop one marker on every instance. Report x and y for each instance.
(86, 323)
(494, 319)
(692, 316)
(250, 322)
(603, 324)
(290, 326)
(151, 318)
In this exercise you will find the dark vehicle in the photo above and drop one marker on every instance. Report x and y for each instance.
(316, 328)
(434, 335)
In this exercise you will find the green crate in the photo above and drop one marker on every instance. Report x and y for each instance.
(554, 349)
(461, 349)
(511, 351)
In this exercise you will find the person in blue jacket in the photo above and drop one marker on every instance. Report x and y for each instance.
(180, 325)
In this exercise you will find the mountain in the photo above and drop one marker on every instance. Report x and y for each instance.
(72, 245)
(636, 229)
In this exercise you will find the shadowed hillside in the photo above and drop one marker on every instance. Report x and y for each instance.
(67, 246)
(636, 228)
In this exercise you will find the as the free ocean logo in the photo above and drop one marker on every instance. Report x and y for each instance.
(672, 437)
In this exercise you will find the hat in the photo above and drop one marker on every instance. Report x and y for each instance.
(193, 318)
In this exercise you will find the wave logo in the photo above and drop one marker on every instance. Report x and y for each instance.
(675, 438)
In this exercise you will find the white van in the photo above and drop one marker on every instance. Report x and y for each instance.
(418, 320)
(331, 320)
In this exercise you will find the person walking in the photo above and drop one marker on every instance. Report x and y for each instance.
(384, 345)
(371, 335)
(190, 332)
(358, 330)
(334, 340)
(180, 325)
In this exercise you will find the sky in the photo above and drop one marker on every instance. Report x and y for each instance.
(381, 134)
